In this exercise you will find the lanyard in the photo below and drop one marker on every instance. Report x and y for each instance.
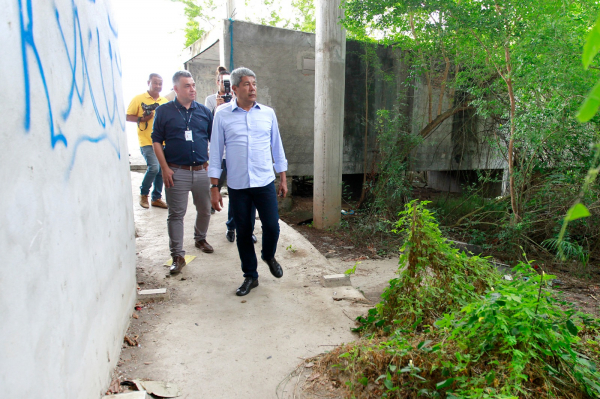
(187, 123)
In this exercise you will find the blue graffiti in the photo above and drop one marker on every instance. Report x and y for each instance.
(78, 60)
(28, 41)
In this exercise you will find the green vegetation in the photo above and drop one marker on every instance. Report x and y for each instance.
(512, 70)
(450, 326)
(203, 15)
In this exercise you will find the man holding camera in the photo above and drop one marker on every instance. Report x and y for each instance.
(184, 126)
(250, 132)
(141, 110)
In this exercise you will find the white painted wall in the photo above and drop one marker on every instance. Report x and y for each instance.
(67, 246)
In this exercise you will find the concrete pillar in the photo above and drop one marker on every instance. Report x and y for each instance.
(234, 9)
(330, 65)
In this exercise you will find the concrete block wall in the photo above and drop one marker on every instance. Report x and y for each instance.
(282, 58)
(67, 246)
(277, 56)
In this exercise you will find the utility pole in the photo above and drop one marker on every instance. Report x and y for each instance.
(234, 10)
(330, 67)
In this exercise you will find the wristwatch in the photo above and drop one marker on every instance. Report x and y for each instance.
(214, 186)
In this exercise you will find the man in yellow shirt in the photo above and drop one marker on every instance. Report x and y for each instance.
(141, 110)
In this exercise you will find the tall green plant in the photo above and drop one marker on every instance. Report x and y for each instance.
(433, 276)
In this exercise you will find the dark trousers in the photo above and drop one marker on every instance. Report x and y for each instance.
(230, 223)
(241, 203)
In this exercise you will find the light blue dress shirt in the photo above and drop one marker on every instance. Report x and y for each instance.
(253, 143)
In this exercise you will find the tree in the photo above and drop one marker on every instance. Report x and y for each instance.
(203, 15)
(516, 61)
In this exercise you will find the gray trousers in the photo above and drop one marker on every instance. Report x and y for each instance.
(185, 181)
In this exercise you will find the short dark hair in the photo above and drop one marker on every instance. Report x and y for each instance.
(180, 74)
(223, 72)
(154, 75)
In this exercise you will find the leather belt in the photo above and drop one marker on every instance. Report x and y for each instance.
(188, 167)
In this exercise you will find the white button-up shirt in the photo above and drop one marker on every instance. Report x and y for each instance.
(253, 143)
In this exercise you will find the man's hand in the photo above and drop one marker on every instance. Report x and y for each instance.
(147, 117)
(215, 199)
(220, 101)
(282, 191)
(167, 174)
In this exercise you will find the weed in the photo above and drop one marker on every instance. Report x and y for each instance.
(352, 270)
(488, 338)
(434, 276)
(291, 249)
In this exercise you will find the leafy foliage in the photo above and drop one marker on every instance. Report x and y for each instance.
(434, 277)
(507, 340)
(203, 15)
(517, 65)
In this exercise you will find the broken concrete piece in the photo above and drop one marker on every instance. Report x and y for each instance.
(349, 294)
(128, 395)
(158, 294)
(467, 248)
(336, 280)
(159, 388)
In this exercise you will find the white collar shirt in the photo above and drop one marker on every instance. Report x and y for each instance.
(253, 144)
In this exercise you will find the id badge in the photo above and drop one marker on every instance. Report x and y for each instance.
(188, 135)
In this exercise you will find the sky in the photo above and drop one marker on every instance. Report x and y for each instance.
(151, 40)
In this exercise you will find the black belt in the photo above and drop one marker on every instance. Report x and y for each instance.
(188, 167)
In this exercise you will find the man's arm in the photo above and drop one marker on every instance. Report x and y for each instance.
(167, 172)
(281, 162)
(214, 164)
(133, 112)
(158, 137)
(134, 118)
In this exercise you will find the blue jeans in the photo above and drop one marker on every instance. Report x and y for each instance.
(153, 174)
(241, 202)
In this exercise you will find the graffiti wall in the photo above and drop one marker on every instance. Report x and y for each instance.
(67, 245)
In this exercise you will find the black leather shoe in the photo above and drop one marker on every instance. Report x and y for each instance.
(230, 235)
(274, 267)
(178, 264)
(246, 286)
(254, 239)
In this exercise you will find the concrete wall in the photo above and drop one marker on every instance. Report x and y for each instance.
(284, 63)
(277, 56)
(459, 143)
(282, 59)
(67, 246)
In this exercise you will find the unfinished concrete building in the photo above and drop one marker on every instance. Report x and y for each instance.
(284, 61)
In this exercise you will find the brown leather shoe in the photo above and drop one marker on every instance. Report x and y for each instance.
(204, 246)
(144, 201)
(178, 264)
(159, 204)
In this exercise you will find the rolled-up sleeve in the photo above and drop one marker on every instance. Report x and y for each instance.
(216, 148)
(281, 163)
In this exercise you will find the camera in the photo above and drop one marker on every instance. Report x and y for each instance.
(148, 108)
(227, 84)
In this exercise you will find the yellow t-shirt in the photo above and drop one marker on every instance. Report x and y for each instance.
(135, 108)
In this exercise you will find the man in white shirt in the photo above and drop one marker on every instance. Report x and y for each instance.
(214, 101)
(251, 134)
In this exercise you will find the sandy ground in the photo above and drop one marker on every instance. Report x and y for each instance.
(213, 344)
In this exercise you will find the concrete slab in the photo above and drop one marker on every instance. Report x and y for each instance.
(128, 395)
(349, 294)
(210, 342)
(158, 294)
(336, 280)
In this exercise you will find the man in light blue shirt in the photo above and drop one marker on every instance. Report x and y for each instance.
(251, 134)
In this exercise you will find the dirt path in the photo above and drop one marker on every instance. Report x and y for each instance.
(214, 344)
